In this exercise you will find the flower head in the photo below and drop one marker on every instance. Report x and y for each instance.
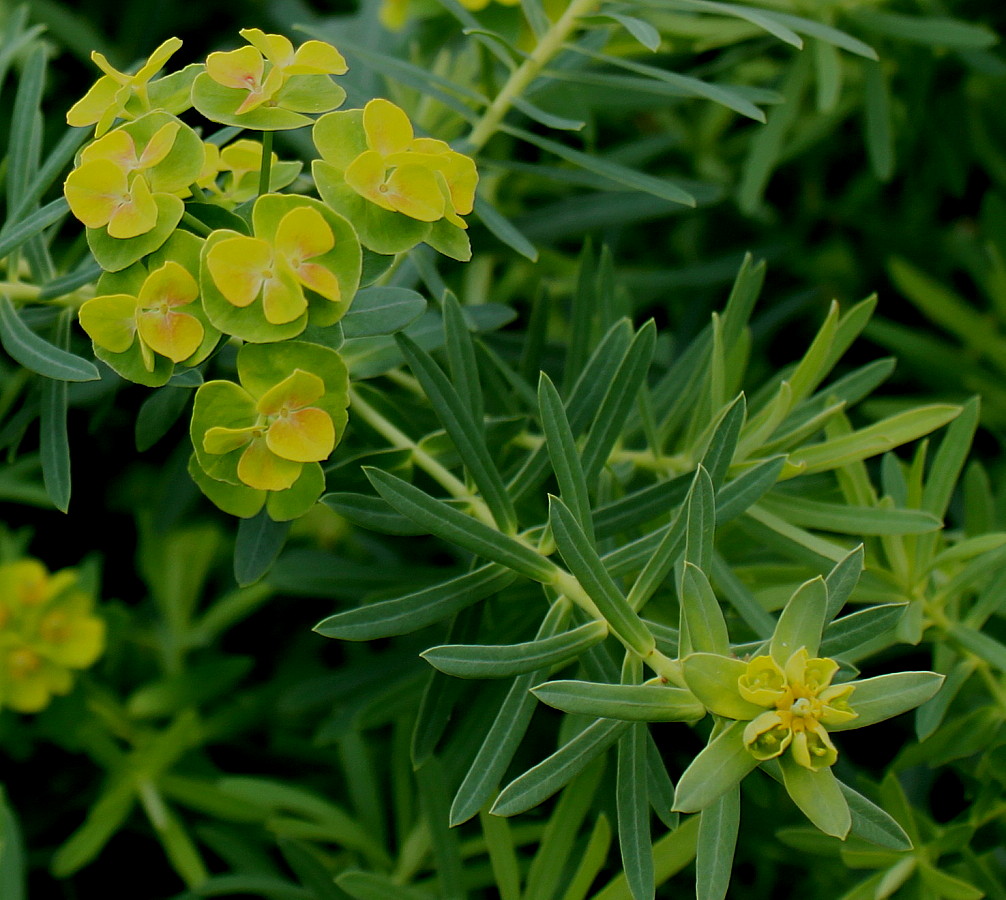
(47, 629)
(108, 97)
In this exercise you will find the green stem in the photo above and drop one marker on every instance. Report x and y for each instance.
(521, 77)
(453, 485)
(16, 291)
(266, 171)
(197, 226)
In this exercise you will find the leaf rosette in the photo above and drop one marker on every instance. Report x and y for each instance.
(147, 318)
(267, 85)
(126, 187)
(302, 263)
(261, 441)
(398, 189)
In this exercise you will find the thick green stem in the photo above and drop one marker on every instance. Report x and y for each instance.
(548, 46)
(265, 173)
(197, 226)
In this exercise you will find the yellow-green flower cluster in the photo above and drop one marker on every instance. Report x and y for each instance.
(47, 630)
(801, 702)
(198, 245)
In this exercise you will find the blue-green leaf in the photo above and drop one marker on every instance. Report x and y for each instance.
(37, 354)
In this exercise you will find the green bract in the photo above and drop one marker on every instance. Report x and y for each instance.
(268, 86)
(147, 317)
(398, 189)
(126, 187)
(302, 263)
(268, 433)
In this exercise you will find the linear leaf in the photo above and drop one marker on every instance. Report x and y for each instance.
(612, 171)
(411, 612)
(850, 631)
(554, 772)
(53, 437)
(873, 439)
(505, 733)
(934, 31)
(707, 629)
(447, 523)
(466, 433)
(700, 522)
(982, 645)
(504, 229)
(856, 520)
(842, 581)
(618, 401)
(579, 554)
(818, 795)
(719, 767)
(633, 808)
(507, 660)
(372, 513)
(12, 854)
(825, 33)
(461, 357)
(626, 702)
(37, 354)
(382, 310)
(872, 824)
(801, 621)
(562, 452)
(880, 698)
(31, 224)
(748, 14)
(258, 544)
(714, 856)
(877, 121)
(720, 451)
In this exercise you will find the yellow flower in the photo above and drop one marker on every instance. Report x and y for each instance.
(47, 628)
(107, 98)
(422, 178)
(801, 703)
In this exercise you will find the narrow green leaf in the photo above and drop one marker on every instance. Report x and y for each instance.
(31, 224)
(37, 354)
(587, 567)
(618, 401)
(873, 824)
(873, 439)
(402, 615)
(738, 495)
(303, 859)
(671, 854)
(720, 450)
(981, 644)
(371, 513)
(642, 31)
(53, 436)
(850, 631)
(258, 544)
(508, 660)
(625, 702)
(612, 171)
(801, 621)
(25, 133)
(877, 121)
(557, 770)
(721, 766)
(748, 14)
(633, 810)
(382, 310)
(374, 886)
(563, 454)
(707, 629)
(830, 75)
(879, 698)
(664, 557)
(558, 844)
(700, 524)
(502, 855)
(158, 413)
(591, 384)
(13, 871)
(842, 580)
(466, 432)
(105, 818)
(503, 229)
(433, 796)
(593, 859)
(641, 506)
(506, 731)
(447, 523)
(740, 598)
(546, 118)
(714, 857)
(823, 32)
(461, 357)
(933, 31)
(856, 520)
(819, 796)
